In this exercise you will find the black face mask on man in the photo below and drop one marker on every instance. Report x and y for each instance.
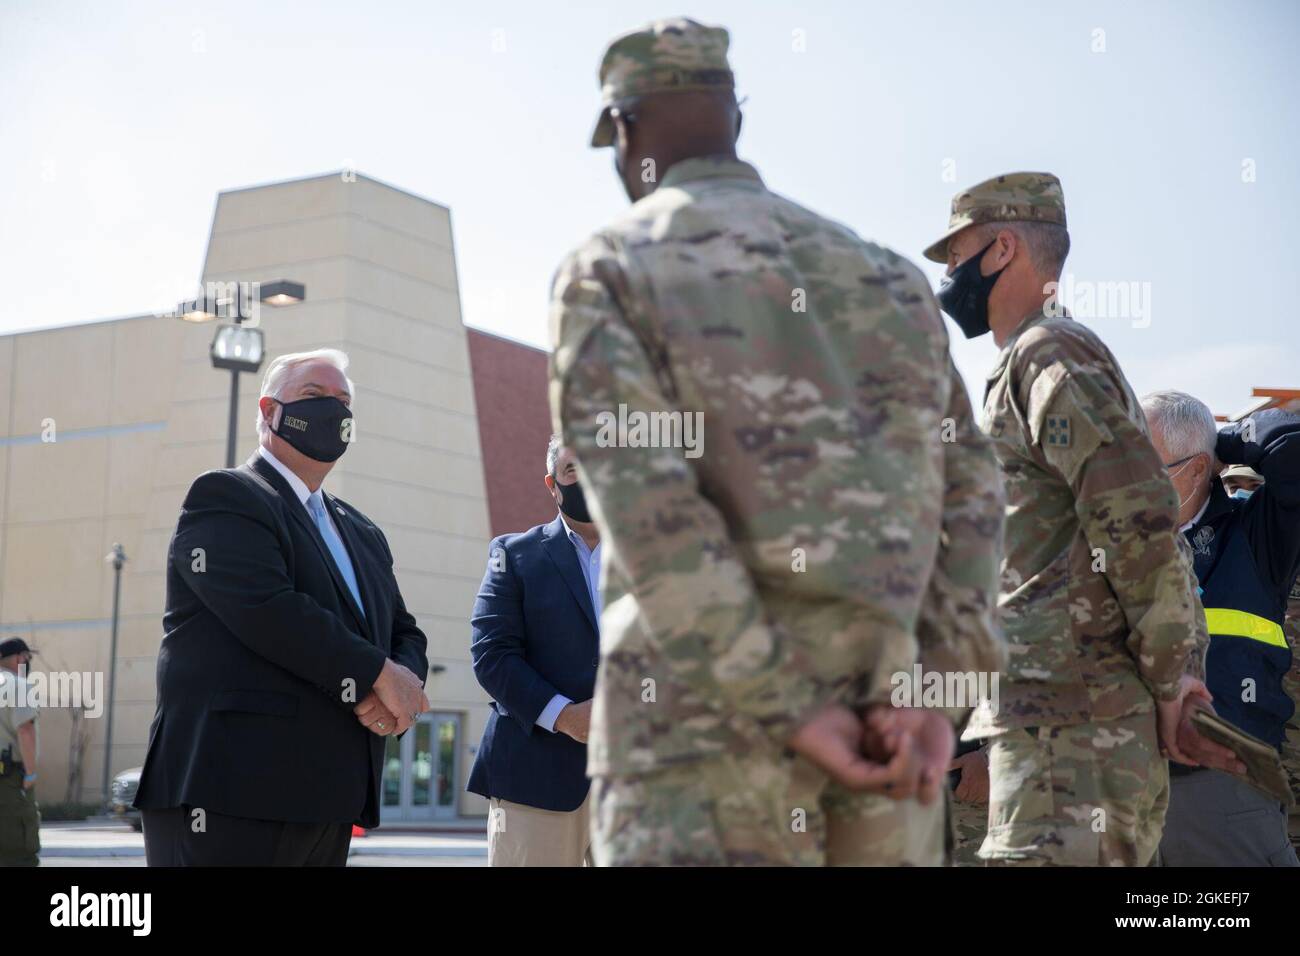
(320, 428)
(964, 295)
(573, 502)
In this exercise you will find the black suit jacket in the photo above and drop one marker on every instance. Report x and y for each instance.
(265, 653)
(534, 635)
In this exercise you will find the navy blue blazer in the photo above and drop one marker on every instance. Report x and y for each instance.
(534, 635)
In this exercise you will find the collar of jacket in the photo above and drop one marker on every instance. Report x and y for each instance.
(709, 167)
(1037, 317)
(1220, 505)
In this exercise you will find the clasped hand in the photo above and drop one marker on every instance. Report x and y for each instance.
(394, 703)
(899, 752)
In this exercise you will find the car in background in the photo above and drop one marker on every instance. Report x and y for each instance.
(122, 793)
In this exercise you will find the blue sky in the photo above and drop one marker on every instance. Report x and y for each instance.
(1174, 130)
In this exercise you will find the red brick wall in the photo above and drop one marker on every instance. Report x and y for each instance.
(514, 425)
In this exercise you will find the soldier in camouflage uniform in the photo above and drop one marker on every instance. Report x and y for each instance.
(1291, 683)
(1098, 599)
(970, 804)
(840, 522)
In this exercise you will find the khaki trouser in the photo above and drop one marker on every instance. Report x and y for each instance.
(20, 822)
(757, 811)
(1087, 795)
(526, 836)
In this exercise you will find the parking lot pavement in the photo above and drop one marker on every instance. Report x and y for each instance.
(114, 844)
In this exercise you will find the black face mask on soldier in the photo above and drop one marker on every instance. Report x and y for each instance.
(320, 428)
(574, 503)
(964, 295)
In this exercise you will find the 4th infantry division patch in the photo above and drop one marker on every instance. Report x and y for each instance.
(1058, 431)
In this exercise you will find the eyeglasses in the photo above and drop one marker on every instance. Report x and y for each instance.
(1175, 464)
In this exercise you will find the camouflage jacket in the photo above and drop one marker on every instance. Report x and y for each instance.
(1291, 684)
(843, 509)
(1098, 597)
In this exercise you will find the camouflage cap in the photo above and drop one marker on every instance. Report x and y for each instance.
(1013, 197)
(674, 55)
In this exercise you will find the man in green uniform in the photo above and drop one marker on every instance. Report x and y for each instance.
(747, 386)
(20, 821)
(1098, 600)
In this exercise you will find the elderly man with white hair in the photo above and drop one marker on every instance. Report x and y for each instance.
(1247, 554)
(288, 655)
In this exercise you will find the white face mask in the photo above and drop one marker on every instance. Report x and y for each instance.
(1181, 500)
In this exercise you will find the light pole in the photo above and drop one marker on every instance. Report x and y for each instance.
(238, 344)
(117, 557)
(239, 348)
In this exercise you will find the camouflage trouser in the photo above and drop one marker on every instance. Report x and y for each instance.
(970, 823)
(1088, 795)
(20, 823)
(757, 811)
(1291, 739)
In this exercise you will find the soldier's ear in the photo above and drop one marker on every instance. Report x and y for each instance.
(1005, 245)
(622, 130)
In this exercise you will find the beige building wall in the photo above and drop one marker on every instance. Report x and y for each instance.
(138, 412)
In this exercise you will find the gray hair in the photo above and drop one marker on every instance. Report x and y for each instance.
(1185, 423)
(1047, 242)
(552, 453)
(278, 371)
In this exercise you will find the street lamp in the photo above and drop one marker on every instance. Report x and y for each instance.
(283, 292)
(237, 346)
(116, 557)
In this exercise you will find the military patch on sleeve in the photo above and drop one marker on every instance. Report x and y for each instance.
(1067, 427)
(1058, 431)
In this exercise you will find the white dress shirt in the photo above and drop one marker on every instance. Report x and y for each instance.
(297, 484)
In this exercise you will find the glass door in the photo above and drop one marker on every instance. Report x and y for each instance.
(421, 771)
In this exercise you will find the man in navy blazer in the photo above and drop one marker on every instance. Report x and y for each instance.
(535, 647)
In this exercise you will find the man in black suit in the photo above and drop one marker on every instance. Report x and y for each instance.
(535, 649)
(288, 654)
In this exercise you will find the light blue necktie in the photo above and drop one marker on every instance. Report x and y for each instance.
(316, 506)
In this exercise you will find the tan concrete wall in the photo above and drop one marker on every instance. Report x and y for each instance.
(380, 273)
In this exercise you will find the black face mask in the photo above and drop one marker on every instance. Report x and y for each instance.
(964, 295)
(320, 428)
(574, 503)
